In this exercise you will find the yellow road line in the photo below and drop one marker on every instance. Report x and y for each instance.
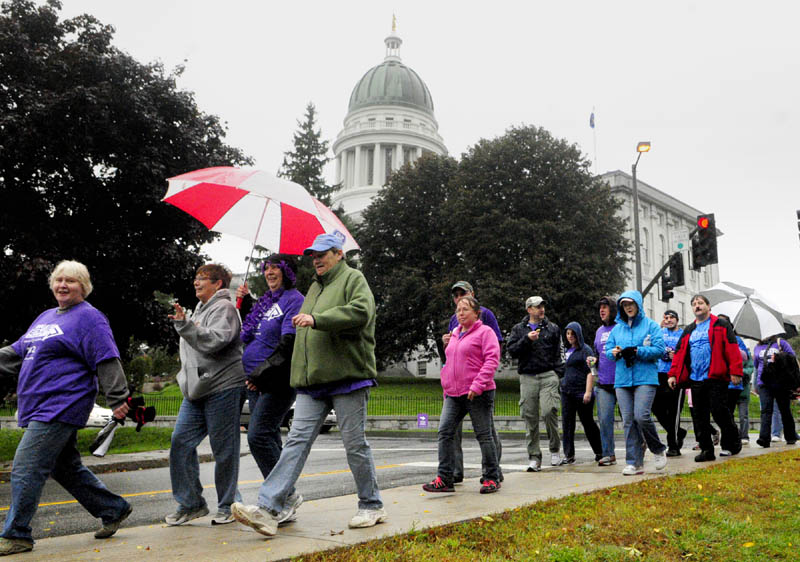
(156, 492)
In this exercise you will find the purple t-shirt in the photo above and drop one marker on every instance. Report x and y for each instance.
(60, 353)
(606, 368)
(274, 322)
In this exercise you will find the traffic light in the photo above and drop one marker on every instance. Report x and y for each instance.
(666, 287)
(676, 269)
(704, 242)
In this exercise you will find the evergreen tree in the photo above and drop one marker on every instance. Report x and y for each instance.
(305, 162)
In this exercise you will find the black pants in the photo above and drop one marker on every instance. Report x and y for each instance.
(770, 397)
(666, 406)
(710, 398)
(570, 405)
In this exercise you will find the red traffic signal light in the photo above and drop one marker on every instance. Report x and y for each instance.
(704, 242)
(703, 222)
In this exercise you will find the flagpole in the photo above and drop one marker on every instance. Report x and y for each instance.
(594, 137)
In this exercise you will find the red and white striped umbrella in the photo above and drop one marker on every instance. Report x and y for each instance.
(268, 211)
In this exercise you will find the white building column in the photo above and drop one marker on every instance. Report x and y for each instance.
(357, 168)
(419, 152)
(344, 177)
(398, 157)
(339, 168)
(376, 165)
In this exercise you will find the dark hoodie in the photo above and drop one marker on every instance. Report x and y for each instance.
(574, 381)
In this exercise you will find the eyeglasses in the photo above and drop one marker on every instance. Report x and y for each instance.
(202, 278)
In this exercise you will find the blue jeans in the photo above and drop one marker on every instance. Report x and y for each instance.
(777, 424)
(606, 400)
(267, 411)
(309, 415)
(771, 397)
(480, 410)
(216, 416)
(48, 449)
(635, 404)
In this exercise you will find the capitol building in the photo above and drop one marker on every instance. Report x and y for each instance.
(390, 122)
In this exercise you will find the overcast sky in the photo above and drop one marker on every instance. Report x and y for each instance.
(712, 84)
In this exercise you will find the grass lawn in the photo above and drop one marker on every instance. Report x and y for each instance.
(126, 440)
(743, 510)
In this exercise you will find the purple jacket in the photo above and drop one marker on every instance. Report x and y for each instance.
(472, 359)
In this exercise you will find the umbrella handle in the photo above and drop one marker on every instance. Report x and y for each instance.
(239, 302)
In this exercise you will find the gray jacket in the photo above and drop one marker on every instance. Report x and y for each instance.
(211, 352)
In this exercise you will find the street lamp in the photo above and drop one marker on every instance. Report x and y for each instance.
(641, 147)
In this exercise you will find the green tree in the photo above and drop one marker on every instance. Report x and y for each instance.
(530, 219)
(519, 215)
(304, 164)
(407, 257)
(88, 136)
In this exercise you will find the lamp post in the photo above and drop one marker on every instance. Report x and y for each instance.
(641, 147)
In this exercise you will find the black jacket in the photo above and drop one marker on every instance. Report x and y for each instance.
(545, 354)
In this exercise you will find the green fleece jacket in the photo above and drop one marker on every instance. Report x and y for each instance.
(341, 346)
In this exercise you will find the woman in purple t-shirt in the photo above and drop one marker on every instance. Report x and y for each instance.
(59, 361)
(268, 335)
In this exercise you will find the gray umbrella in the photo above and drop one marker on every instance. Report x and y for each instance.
(752, 315)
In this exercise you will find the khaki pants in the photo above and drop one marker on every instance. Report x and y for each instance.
(539, 395)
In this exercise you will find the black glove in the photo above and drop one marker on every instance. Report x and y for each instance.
(138, 413)
(629, 355)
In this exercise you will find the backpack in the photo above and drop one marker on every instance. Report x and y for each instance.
(782, 372)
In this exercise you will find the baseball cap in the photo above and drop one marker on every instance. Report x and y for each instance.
(325, 242)
(463, 285)
(534, 301)
(671, 312)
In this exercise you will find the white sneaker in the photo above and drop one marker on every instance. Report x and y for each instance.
(180, 517)
(222, 518)
(289, 513)
(776, 439)
(367, 518)
(555, 459)
(256, 518)
(631, 470)
(745, 441)
(725, 453)
(661, 460)
(535, 465)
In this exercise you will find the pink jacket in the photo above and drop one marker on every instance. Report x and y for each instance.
(471, 361)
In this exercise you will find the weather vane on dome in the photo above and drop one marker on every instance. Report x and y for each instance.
(394, 23)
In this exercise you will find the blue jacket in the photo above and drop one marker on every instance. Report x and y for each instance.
(643, 334)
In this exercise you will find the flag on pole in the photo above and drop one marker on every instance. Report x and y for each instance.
(591, 120)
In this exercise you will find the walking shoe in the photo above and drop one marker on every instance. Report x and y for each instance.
(631, 470)
(289, 513)
(705, 456)
(607, 461)
(256, 518)
(555, 459)
(438, 485)
(13, 546)
(535, 465)
(570, 460)
(661, 460)
(696, 447)
(791, 442)
(489, 487)
(183, 516)
(108, 529)
(715, 438)
(673, 453)
(367, 518)
(745, 441)
(458, 479)
(776, 439)
(725, 453)
(763, 444)
(222, 518)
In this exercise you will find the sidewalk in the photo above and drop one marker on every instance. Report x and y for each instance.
(322, 524)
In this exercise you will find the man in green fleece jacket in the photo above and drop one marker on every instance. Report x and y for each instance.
(333, 367)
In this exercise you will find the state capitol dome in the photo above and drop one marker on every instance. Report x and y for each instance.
(389, 123)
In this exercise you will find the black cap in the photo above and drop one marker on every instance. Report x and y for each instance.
(670, 312)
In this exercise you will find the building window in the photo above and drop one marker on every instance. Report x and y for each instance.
(644, 242)
(370, 165)
(682, 308)
(662, 245)
(390, 121)
(422, 369)
(387, 164)
(661, 219)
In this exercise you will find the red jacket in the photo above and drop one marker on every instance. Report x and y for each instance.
(726, 359)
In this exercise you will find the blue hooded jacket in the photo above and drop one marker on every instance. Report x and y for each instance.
(643, 334)
(576, 369)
